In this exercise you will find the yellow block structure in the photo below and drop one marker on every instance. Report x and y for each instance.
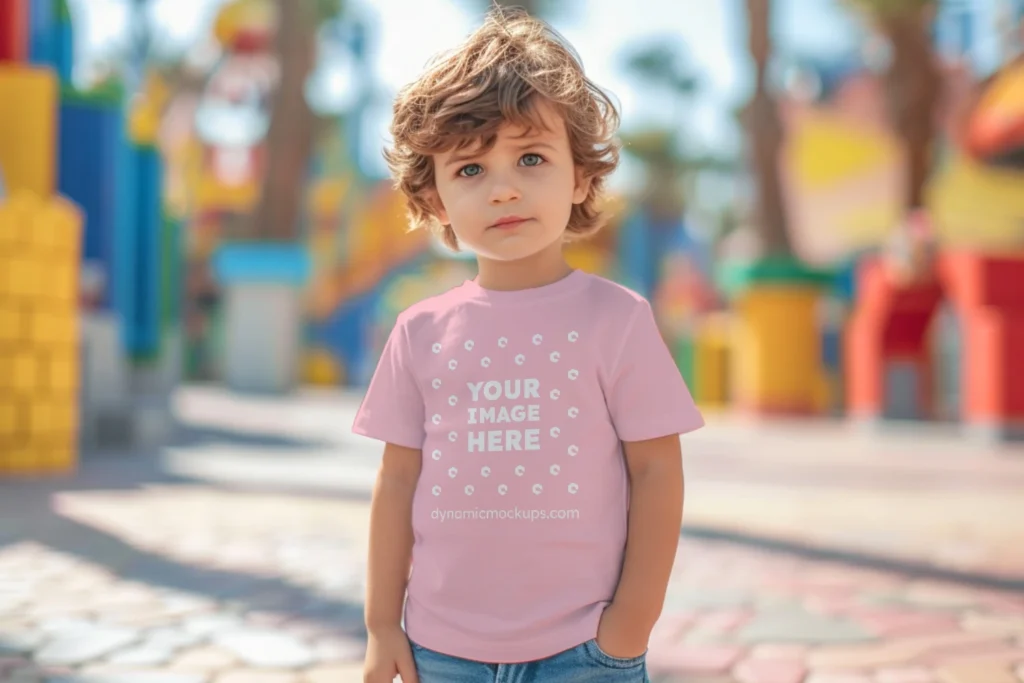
(777, 355)
(40, 240)
(29, 101)
(712, 361)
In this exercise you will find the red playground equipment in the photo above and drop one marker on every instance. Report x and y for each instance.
(890, 332)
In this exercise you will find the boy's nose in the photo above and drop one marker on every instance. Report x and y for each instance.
(503, 192)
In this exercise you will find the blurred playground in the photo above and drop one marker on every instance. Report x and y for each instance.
(150, 236)
(201, 258)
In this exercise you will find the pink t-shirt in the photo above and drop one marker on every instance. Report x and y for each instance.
(518, 401)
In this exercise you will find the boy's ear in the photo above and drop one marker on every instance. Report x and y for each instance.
(582, 187)
(437, 207)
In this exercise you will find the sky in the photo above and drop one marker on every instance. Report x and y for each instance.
(408, 32)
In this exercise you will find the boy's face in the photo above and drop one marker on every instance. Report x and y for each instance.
(514, 200)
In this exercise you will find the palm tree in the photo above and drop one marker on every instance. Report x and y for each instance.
(765, 136)
(913, 83)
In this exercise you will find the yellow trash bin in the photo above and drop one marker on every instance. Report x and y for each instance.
(777, 364)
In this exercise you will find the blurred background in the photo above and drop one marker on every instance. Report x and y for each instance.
(222, 239)
(201, 257)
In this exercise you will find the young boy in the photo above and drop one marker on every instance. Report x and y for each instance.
(532, 476)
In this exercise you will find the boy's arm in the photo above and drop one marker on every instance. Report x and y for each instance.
(391, 537)
(655, 517)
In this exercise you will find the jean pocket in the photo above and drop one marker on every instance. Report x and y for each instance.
(595, 653)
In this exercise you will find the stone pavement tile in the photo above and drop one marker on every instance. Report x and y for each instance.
(940, 595)
(204, 659)
(263, 618)
(764, 670)
(779, 651)
(20, 642)
(1004, 605)
(182, 604)
(905, 675)
(982, 648)
(306, 628)
(138, 616)
(800, 626)
(831, 605)
(267, 649)
(905, 622)
(342, 673)
(61, 625)
(976, 672)
(840, 677)
(1006, 624)
(127, 675)
(885, 653)
(340, 649)
(709, 658)
(209, 624)
(711, 596)
(257, 676)
(23, 677)
(173, 637)
(73, 647)
(49, 610)
(669, 628)
(8, 663)
(1008, 657)
(144, 654)
(36, 672)
(721, 621)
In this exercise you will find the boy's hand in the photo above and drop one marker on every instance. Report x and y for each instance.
(619, 635)
(388, 654)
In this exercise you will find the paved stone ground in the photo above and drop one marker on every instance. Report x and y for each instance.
(920, 496)
(238, 557)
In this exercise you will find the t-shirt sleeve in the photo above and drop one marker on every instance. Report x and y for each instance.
(648, 397)
(392, 409)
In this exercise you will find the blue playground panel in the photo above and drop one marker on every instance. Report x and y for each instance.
(142, 299)
(42, 27)
(96, 171)
(51, 38)
(91, 139)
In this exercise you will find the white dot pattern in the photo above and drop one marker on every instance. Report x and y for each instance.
(555, 469)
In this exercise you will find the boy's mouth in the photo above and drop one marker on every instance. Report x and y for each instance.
(508, 222)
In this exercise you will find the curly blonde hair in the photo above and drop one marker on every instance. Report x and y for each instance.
(494, 78)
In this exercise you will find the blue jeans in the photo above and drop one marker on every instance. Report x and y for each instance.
(585, 663)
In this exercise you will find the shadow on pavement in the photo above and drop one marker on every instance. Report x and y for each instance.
(29, 513)
(194, 435)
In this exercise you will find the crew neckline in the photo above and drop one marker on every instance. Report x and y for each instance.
(569, 283)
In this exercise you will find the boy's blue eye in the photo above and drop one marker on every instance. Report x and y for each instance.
(532, 160)
(470, 170)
